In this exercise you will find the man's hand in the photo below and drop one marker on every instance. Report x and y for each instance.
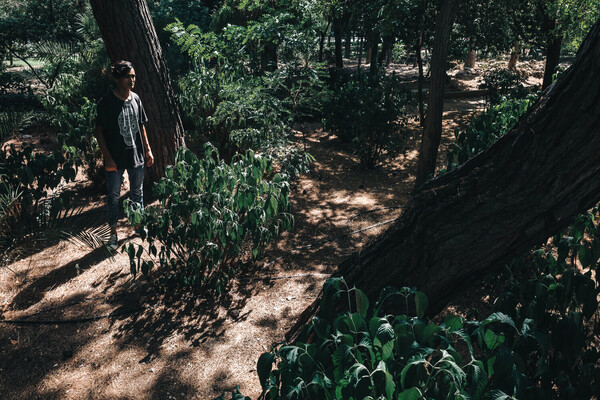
(110, 164)
(149, 158)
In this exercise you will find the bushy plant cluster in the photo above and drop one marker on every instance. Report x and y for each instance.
(539, 348)
(502, 83)
(484, 129)
(555, 288)
(209, 212)
(236, 103)
(33, 174)
(368, 112)
(364, 353)
(73, 116)
(28, 204)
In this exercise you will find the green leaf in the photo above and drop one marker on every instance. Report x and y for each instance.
(421, 303)
(493, 340)
(410, 394)
(362, 302)
(263, 367)
(453, 322)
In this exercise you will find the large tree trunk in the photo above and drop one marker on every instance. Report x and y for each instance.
(432, 132)
(471, 221)
(128, 34)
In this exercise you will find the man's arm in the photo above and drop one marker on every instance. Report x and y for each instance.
(109, 162)
(146, 143)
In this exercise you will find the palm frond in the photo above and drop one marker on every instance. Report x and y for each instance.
(87, 27)
(55, 52)
(12, 122)
(52, 221)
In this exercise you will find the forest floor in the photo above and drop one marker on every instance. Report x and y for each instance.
(96, 332)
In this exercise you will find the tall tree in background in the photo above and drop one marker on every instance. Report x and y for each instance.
(129, 34)
(432, 132)
(471, 221)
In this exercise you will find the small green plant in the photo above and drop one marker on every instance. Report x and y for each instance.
(485, 129)
(398, 52)
(368, 111)
(209, 213)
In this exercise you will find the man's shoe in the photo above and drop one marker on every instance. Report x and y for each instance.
(113, 242)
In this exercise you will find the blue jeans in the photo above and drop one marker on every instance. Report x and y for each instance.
(113, 184)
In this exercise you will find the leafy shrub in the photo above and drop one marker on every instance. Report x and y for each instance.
(73, 116)
(209, 211)
(33, 174)
(368, 111)
(503, 82)
(398, 52)
(485, 129)
(363, 353)
(237, 106)
(553, 290)
(13, 82)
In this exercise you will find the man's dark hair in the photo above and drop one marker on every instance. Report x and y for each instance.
(120, 69)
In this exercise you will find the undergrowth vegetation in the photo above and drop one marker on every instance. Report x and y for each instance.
(368, 112)
(209, 212)
(539, 343)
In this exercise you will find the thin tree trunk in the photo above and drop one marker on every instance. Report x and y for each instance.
(129, 34)
(433, 123)
(471, 55)
(552, 60)
(348, 44)
(360, 50)
(374, 42)
(322, 41)
(514, 57)
(337, 31)
(471, 221)
(420, 85)
(419, 62)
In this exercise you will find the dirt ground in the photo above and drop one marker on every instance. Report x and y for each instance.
(94, 331)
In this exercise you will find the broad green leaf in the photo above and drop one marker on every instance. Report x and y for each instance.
(362, 302)
(263, 367)
(410, 394)
(421, 304)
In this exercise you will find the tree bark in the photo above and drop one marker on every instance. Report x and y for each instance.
(514, 58)
(435, 105)
(348, 44)
(128, 33)
(374, 48)
(360, 50)
(337, 31)
(552, 60)
(471, 221)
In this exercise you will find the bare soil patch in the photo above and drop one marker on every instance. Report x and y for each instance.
(95, 332)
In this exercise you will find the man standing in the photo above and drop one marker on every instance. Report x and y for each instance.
(122, 138)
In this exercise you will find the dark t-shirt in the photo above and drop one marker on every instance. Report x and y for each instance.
(120, 121)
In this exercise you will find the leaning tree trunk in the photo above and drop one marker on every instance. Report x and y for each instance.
(432, 132)
(128, 34)
(471, 221)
